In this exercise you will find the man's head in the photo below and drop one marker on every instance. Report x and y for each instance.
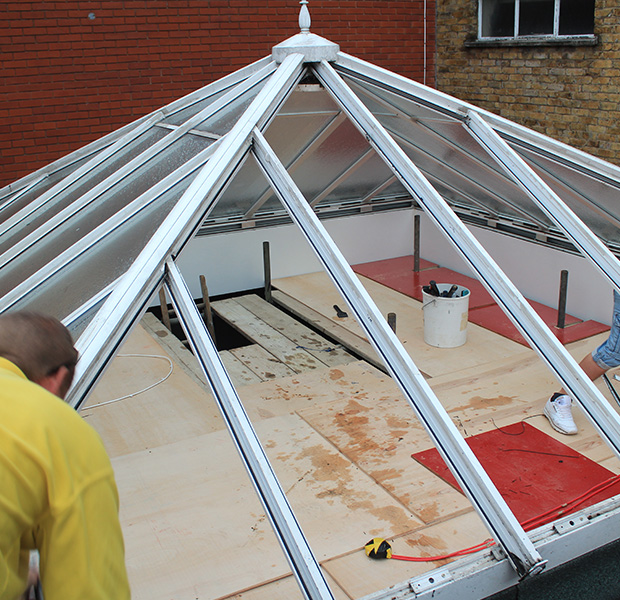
(41, 347)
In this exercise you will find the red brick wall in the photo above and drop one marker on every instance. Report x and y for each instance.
(67, 79)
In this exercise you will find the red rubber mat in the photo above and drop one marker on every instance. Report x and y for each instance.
(494, 318)
(398, 274)
(532, 471)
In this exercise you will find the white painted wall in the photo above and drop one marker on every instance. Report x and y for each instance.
(234, 261)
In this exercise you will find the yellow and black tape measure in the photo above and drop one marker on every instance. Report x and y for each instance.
(378, 548)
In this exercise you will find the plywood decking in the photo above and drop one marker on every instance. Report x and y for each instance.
(339, 436)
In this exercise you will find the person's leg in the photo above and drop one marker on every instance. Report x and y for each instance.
(591, 368)
(606, 356)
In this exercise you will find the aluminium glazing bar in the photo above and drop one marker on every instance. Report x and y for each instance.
(127, 169)
(514, 305)
(473, 479)
(604, 418)
(125, 304)
(78, 174)
(118, 219)
(285, 525)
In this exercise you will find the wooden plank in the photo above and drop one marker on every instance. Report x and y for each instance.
(262, 363)
(237, 370)
(174, 348)
(353, 342)
(482, 346)
(266, 336)
(328, 353)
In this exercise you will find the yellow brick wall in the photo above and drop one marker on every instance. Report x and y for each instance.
(570, 93)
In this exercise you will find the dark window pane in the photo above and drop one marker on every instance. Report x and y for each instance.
(498, 18)
(536, 17)
(576, 17)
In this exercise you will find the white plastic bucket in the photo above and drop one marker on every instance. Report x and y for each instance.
(445, 319)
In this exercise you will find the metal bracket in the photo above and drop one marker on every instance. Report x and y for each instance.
(570, 523)
(429, 581)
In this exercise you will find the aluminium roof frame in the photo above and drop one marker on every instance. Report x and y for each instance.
(123, 301)
(504, 527)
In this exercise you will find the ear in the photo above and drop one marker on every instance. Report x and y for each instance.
(56, 382)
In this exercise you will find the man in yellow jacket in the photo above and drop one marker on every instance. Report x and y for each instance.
(57, 489)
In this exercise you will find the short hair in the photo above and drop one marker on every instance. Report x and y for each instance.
(38, 344)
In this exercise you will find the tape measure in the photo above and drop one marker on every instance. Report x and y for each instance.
(378, 548)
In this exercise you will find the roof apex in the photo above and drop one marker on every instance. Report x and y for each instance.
(314, 48)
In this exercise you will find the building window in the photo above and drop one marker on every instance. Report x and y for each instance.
(516, 19)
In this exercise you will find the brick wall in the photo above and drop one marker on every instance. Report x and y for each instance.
(571, 94)
(73, 71)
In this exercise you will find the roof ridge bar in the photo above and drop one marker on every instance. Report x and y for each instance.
(135, 163)
(294, 544)
(512, 302)
(453, 448)
(126, 303)
(545, 198)
(604, 418)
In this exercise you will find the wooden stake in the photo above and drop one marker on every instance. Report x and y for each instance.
(562, 299)
(208, 314)
(391, 319)
(165, 314)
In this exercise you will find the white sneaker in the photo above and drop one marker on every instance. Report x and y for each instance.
(558, 411)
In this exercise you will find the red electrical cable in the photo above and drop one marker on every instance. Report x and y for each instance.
(528, 525)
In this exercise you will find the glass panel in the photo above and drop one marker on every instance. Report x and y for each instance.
(576, 17)
(448, 155)
(595, 201)
(224, 120)
(113, 199)
(536, 17)
(11, 207)
(498, 18)
(83, 185)
(246, 186)
(178, 118)
(92, 271)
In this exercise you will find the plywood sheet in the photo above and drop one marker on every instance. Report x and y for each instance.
(190, 514)
(284, 589)
(177, 408)
(377, 429)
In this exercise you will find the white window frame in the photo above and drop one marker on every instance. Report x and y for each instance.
(515, 35)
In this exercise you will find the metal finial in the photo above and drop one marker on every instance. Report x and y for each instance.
(304, 17)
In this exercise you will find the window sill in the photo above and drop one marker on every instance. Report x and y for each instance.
(581, 40)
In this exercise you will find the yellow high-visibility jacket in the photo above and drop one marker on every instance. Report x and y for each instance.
(57, 495)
